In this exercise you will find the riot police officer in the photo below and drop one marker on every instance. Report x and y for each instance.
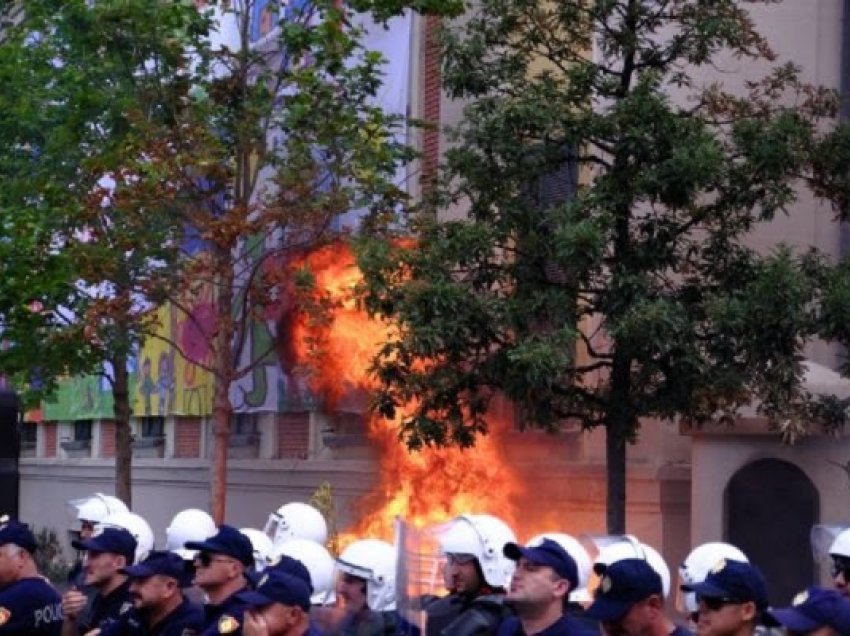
(477, 573)
(106, 553)
(29, 606)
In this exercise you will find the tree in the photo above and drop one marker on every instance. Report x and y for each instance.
(600, 272)
(264, 129)
(295, 138)
(87, 217)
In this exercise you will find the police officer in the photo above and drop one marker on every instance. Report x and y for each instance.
(221, 564)
(630, 600)
(477, 575)
(539, 592)
(280, 606)
(366, 586)
(28, 604)
(732, 600)
(107, 553)
(89, 512)
(159, 607)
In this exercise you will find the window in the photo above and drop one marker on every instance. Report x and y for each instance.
(244, 424)
(153, 426)
(29, 435)
(82, 431)
(264, 15)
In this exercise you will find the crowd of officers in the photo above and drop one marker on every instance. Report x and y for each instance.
(282, 581)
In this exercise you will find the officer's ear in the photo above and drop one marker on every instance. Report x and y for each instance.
(561, 588)
(122, 561)
(749, 612)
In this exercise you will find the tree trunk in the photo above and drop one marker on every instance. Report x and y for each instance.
(222, 410)
(123, 438)
(618, 426)
(223, 372)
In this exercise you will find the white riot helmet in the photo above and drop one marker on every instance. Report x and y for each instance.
(697, 566)
(318, 562)
(841, 545)
(263, 547)
(579, 554)
(191, 524)
(375, 562)
(483, 536)
(135, 525)
(629, 547)
(95, 508)
(296, 520)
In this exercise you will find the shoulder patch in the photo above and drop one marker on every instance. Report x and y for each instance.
(227, 624)
(5, 615)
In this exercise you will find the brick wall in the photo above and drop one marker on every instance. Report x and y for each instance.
(293, 435)
(107, 439)
(51, 434)
(187, 437)
(431, 95)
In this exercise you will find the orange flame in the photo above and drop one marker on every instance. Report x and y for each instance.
(426, 487)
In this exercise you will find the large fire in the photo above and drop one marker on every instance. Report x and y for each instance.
(426, 487)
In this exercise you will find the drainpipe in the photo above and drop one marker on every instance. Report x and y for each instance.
(844, 87)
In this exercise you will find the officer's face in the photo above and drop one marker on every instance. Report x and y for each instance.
(86, 530)
(719, 618)
(214, 570)
(535, 585)
(10, 564)
(841, 574)
(101, 567)
(463, 574)
(151, 592)
(352, 590)
(638, 620)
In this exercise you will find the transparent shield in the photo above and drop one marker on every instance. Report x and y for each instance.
(420, 571)
(821, 538)
(272, 526)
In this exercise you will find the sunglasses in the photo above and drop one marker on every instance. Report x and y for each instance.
(207, 558)
(840, 566)
(459, 558)
(714, 604)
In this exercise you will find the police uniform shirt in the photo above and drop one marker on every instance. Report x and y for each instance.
(30, 607)
(103, 610)
(224, 618)
(187, 619)
(564, 626)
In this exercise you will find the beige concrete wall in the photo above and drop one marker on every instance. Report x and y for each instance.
(716, 458)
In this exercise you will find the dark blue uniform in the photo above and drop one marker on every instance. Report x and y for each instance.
(185, 620)
(30, 607)
(104, 610)
(224, 618)
(564, 626)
